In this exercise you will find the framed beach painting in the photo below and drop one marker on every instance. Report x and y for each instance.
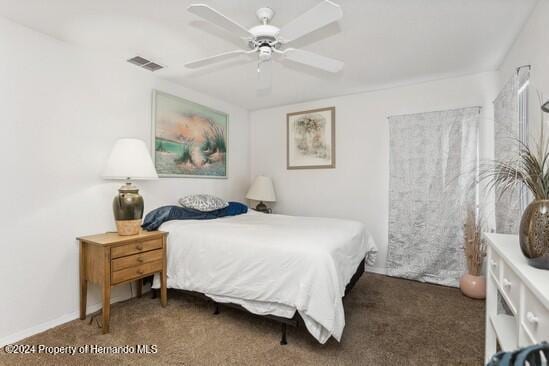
(189, 139)
(311, 139)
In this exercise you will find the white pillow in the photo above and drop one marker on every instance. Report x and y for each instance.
(203, 202)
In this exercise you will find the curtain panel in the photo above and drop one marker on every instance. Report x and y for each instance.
(510, 124)
(433, 160)
(506, 127)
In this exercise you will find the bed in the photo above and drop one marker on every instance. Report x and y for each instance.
(273, 265)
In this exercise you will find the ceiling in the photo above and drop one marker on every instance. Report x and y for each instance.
(383, 43)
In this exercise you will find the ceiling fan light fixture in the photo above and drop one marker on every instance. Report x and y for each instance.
(265, 53)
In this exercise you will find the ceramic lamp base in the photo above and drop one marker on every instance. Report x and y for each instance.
(261, 207)
(128, 227)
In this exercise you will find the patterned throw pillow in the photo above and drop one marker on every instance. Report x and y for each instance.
(203, 202)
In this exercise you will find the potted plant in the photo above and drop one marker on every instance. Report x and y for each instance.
(473, 283)
(529, 169)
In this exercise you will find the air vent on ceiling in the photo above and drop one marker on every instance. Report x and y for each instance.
(152, 66)
(144, 63)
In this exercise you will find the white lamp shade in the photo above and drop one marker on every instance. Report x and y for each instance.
(129, 158)
(262, 190)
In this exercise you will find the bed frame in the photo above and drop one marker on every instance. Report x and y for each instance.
(284, 322)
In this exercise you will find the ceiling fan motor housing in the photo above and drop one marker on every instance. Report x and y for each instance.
(264, 33)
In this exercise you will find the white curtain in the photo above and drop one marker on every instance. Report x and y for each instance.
(433, 157)
(510, 123)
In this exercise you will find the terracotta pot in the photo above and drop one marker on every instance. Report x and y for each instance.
(534, 234)
(473, 286)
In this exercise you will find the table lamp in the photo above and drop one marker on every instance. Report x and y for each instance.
(262, 190)
(129, 160)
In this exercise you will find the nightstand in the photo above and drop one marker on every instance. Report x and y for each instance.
(110, 259)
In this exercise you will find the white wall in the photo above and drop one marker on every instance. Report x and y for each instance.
(62, 108)
(530, 48)
(358, 187)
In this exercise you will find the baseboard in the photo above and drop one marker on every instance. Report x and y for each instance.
(378, 270)
(15, 337)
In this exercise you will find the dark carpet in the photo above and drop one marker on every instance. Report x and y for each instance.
(389, 321)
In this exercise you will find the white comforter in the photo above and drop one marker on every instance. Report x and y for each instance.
(272, 264)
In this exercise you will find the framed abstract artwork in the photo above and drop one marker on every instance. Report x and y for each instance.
(189, 139)
(311, 139)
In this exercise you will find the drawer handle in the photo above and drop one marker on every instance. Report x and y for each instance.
(139, 246)
(140, 259)
(140, 271)
(493, 263)
(531, 318)
(506, 283)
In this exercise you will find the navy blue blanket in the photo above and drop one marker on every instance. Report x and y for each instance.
(158, 216)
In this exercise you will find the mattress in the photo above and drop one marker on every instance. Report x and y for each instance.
(271, 264)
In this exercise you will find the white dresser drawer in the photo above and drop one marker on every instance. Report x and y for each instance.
(510, 285)
(494, 265)
(535, 318)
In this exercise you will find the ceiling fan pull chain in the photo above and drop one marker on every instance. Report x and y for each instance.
(259, 62)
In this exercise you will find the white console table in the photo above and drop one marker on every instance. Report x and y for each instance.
(524, 289)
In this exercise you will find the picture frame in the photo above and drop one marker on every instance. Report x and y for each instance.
(310, 139)
(189, 140)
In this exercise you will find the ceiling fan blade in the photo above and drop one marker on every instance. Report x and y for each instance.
(215, 17)
(264, 75)
(313, 59)
(323, 14)
(216, 58)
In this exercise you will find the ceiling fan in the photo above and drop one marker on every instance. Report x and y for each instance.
(267, 40)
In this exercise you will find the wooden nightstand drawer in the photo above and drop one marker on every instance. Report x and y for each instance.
(136, 259)
(138, 247)
(133, 273)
